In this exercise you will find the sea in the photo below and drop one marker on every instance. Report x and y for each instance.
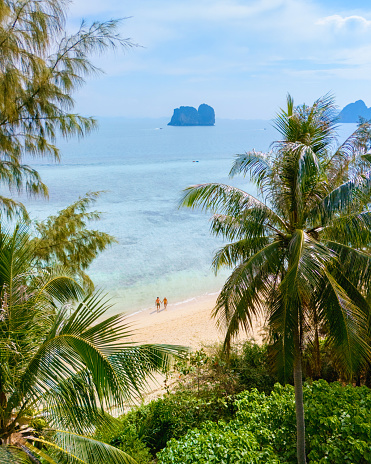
(141, 166)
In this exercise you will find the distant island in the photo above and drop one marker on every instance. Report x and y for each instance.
(189, 116)
(353, 111)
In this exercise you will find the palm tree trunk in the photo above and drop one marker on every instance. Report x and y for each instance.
(299, 404)
(317, 351)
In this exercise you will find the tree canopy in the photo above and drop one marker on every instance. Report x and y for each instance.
(66, 240)
(300, 253)
(40, 68)
(63, 362)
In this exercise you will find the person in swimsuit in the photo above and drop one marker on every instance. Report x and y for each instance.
(165, 302)
(158, 303)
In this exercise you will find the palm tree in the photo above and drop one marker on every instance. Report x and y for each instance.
(300, 253)
(63, 366)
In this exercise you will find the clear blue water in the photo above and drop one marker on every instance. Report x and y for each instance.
(143, 165)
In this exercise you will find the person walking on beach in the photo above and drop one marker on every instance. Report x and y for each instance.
(158, 303)
(165, 302)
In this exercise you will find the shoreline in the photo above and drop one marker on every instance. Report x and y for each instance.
(186, 323)
(172, 306)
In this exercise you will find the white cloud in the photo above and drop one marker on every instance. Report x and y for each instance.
(214, 48)
(347, 22)
(355, 56)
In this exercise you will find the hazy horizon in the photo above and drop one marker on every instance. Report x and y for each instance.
(240, 56)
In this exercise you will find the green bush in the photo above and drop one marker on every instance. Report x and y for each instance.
(218, 443)
(251, 365)
(148, 428)
(338, 428)
(246, 367)
(271, 419)
(124, 434)
(173, 415)
(338, 421)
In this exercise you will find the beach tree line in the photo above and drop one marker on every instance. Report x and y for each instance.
(232, 409)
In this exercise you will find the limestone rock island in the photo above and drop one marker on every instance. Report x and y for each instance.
(189, 116)
(353, 111)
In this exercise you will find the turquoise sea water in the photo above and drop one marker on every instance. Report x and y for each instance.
(143, 165)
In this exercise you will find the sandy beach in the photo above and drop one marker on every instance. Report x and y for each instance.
(188, 323)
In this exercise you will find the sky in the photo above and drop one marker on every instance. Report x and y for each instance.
(241, 57)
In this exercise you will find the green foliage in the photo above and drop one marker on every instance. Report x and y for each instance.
(174, 415)
(271, 418)
(125, 434)
(299, 252)
(62, 362)
(40, 67)
(338, 428)
(205, 392)
(65, 239)
(217, 443)
(156, 423)
(252, 367)
(199, 373)
(213, 374)
(338, 423)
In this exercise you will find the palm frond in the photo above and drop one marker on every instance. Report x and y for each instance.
(77, 449)
(224, 199)
(35, 454)
(347, 325)
(314, 125)
(256, 164)
(244, 295)
(13, 455)
(251, 223)
(343, 200)
(136, 364)
(307, 263)
(71, 404)
(15, 253)
(282, 321)
(355, 264)
(352, 229)
(300, 178)
(56, 284)
(233, 254)
(341, 165)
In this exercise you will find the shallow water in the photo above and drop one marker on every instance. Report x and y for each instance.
(143, 165)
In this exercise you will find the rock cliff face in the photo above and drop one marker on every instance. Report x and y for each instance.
(189, 116)
(206, 115)
(353, 111)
